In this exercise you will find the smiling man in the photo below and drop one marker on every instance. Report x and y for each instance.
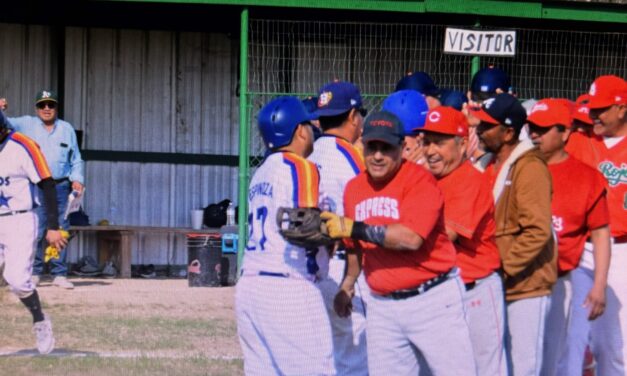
(469, 219)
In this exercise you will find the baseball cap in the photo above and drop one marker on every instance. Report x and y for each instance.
(582, 113)
(606, 91)
(419, 81)
(46, 96)
(550, 112)
(410, 107)
(383, 126)
(453, 98)
(487, 80)
(311, 104)
(582, 99)
(502, 109)
(337, 98)
(446, 120)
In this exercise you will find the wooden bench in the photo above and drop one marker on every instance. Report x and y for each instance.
(115, 242)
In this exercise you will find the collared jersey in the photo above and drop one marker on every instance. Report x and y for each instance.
(469, 211)
(60, 147)
(579, 205)
(612, 164)
(412, 199)
(284, 179)
(21, 166)
(338, 161)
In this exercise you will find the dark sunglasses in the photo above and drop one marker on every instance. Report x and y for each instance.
(50, 105)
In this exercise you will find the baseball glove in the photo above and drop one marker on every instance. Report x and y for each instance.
(303, 227)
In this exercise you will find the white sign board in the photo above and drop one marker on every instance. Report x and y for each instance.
(480, 42)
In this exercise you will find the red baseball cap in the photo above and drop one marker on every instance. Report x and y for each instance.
(583, 99)
(606, 91)
(446, 120)
(550, 112)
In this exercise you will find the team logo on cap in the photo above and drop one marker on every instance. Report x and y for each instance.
(539, 107)
(325, 98)
(488, 102)
(434, 117)
(593, 89)
(46, 94)
(381, 123)
(583, 110)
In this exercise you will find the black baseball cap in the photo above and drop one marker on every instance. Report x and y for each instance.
(383, 126)
(504, 109)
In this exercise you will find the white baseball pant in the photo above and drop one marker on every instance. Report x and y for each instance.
(555, 332)
(18, 238)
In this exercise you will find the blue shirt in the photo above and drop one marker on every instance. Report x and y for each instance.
(59, 147)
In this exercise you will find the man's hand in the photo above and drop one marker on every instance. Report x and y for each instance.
(343, 304)
(78, 187)
(56, 238)
(338, 227)
(4, 104)
(595, 302)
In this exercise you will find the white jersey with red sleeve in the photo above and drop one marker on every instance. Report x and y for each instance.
(21, 166)
(284, 179)
(338, 161)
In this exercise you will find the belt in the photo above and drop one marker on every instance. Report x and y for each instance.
(420, 289)
(62, 180)
(470, 285)
(620, 239)
(14, 212)
(264, 273)
(340, 255)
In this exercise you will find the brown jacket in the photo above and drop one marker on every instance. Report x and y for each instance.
(524, 228)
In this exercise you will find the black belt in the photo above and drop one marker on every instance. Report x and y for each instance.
(62, 180)
(470, 285)
(620, 239)
(420, 289)
(14, 212)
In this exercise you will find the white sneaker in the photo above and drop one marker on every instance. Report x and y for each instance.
(61, 281)
(43, 333)
(35, 280)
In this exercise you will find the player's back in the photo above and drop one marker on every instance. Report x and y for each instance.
(338, 161)
(283, 180)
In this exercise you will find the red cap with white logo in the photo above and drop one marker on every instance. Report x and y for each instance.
(606, 91)
(550, 112)
(446, 120)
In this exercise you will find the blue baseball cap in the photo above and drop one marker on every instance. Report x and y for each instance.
(419, 81)
(410, 107)
(311, 104)
(487, 80)
(453, 98)
(383, 126)
(337, 98)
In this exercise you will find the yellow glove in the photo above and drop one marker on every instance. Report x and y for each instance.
(338, 227)
(51, 251)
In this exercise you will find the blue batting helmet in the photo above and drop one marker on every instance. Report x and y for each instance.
(419, 81)
(279, 119)
(410, 107)
(487, 80)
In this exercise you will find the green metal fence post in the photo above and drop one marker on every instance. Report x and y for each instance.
(476, 60)
(242, 217)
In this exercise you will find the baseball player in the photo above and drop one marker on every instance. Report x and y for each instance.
(579, 208)
(341, 118)
(282, 320)
(411, 108)
(522, 194)
(22, 166)
(469, 219)
(608, 154)
(59, 145)
(415, 307)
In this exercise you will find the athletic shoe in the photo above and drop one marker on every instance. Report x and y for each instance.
(61, 281)
(43, 333)
(109, 270)
(35, 280)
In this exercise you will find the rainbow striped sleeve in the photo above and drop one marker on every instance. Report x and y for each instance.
(305, 180)
(353, 156)
(31, 147)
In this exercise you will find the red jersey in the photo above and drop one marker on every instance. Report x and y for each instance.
(469, 211)
(412, 199)
(579, 205)
(612, 163)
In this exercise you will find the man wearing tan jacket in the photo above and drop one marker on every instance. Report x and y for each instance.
(522, 194)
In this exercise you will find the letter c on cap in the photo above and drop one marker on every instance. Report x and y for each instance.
(434, 117)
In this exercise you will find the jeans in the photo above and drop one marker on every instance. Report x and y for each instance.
(58, 267)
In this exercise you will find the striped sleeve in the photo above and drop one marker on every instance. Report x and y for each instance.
(354, 158)
(33, 151)
(305, 181)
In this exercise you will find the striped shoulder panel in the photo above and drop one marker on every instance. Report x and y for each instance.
(353, 156)
(305, 180)
(32, 149)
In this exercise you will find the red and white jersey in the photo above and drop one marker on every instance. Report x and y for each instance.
(469, 211)
(284, 179)
(579, 205)
(612, 164)
(338, 161)
(22, 165)
(412, 199)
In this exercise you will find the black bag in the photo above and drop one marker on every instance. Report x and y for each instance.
(78, 218)
(214, 215)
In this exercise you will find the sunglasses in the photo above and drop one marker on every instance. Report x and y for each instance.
(50, 105)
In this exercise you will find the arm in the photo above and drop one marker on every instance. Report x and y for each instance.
(595, 300)
(53, 235)
(342, 303)
(452, 235)
(76, 163)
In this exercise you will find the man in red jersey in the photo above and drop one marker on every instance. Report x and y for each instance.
(608, 154)
(469, 220)
(394, 218)
(579, 209)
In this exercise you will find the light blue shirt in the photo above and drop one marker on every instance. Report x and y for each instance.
(60, 146)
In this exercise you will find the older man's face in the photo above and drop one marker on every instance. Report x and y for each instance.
(444, 153)
(382, 160)
(47, 111)
(608, 121)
